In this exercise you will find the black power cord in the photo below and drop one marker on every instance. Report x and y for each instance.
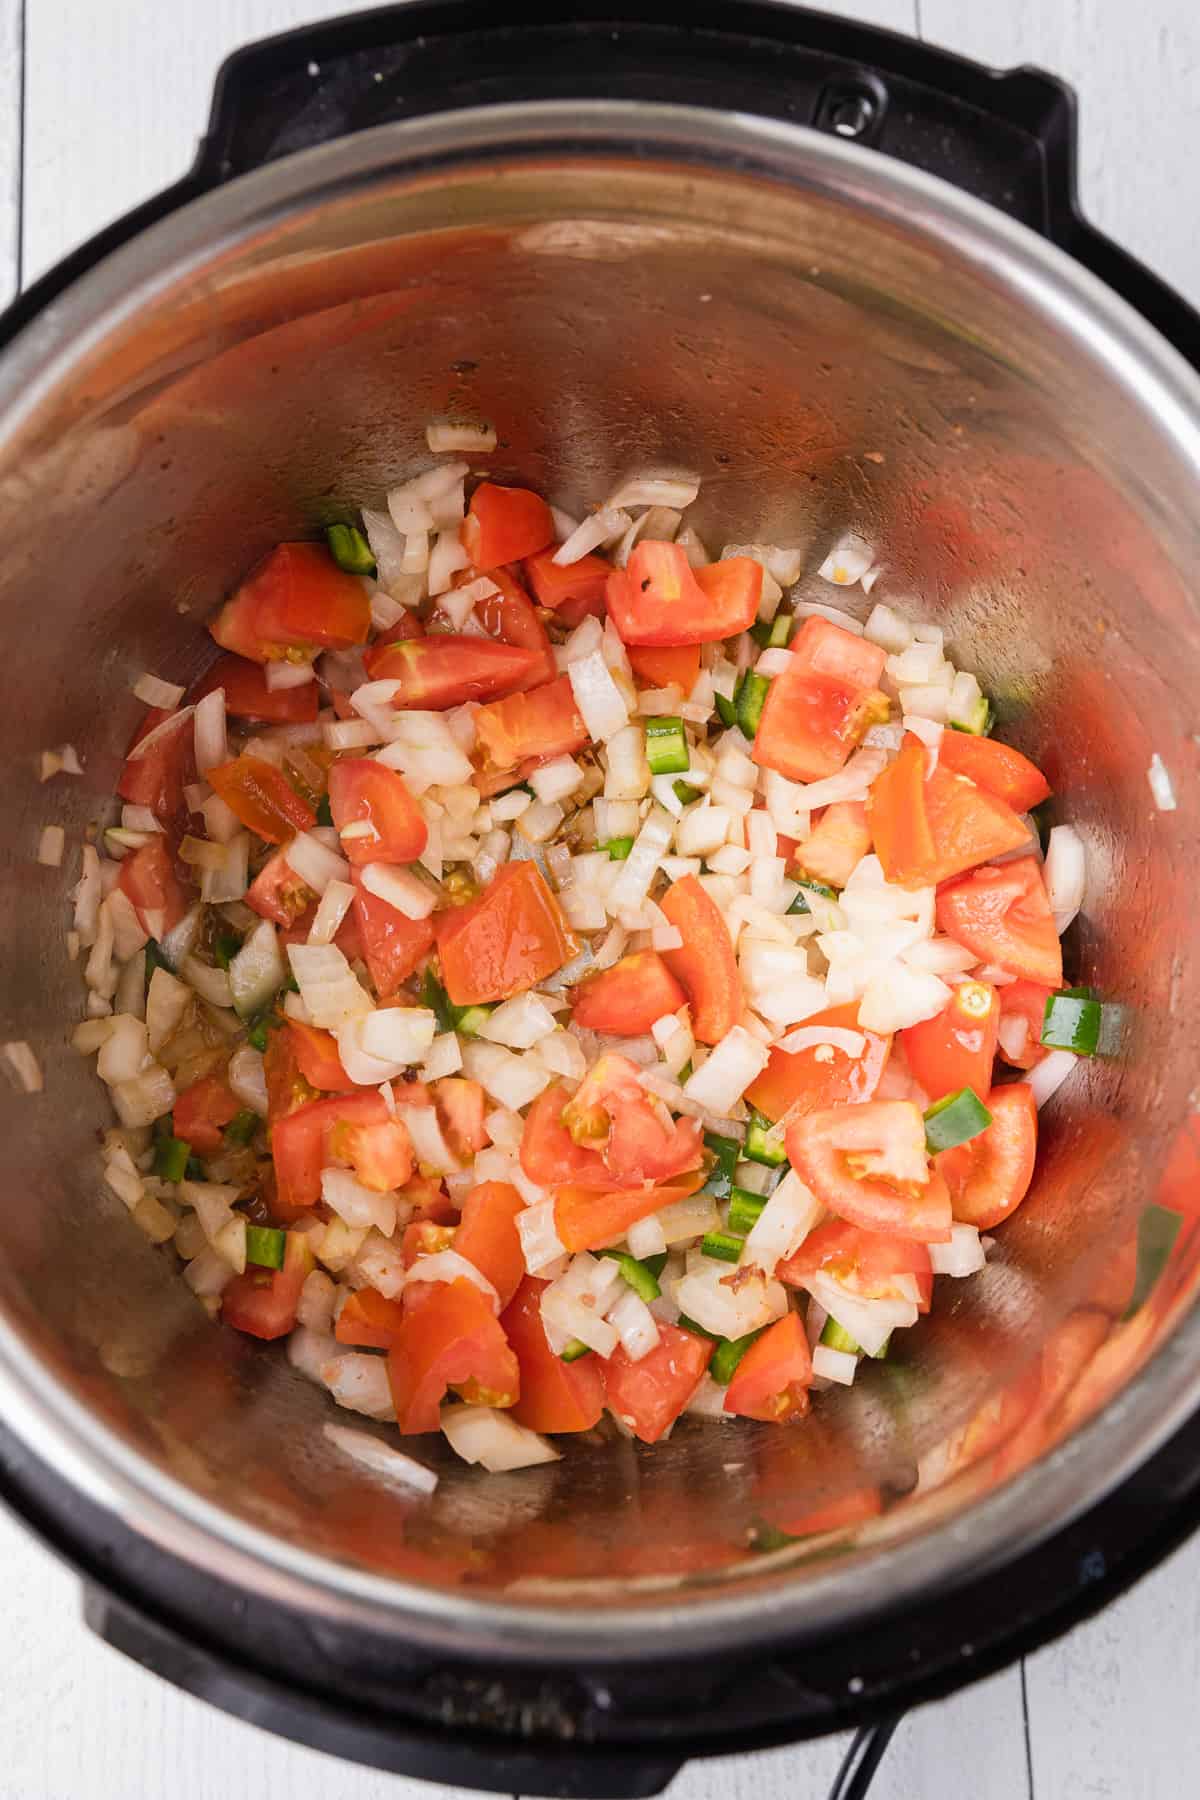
(867, 1749)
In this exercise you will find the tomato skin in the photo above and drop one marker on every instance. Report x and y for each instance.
(263, 1302)
(487, 1236)
(997, 767)
(841, 839)
(549, 1154)
(801, 1080)
(929, 828)
(511, 616)
(317, 1058)
(247, 695)
(353, 1128)
(148, 880)
(295, 599)
(773, 1378)
(262, 797)
(158, 778)
(503, 524)
(957, 1048)
(1026, 1000)
(543, 721)
(587, 1217)
(447, 669)
(989, 1177)
(451, 1339)
(394, 946)
(705, 966)
(627, 998)
(574, 591)
(660, 601)
(504, 942)
(287, 1087)
(555, 1396)
(369, 1320)
(816, 712)
(677, 666)
(862, 1260)
(650, 1394)
(203, 1110)
(1004, 916)
(898, 1193)
(278, 893)
(462, 1107)
(362, 791)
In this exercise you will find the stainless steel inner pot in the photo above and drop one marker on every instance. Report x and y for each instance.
(830, 340)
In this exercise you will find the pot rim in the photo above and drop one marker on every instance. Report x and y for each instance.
(1129, 353)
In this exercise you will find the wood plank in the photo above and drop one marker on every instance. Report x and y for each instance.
(1135, 71)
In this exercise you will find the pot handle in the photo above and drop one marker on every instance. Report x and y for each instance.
(1007, 138)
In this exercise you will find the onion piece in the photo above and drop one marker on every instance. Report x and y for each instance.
(212, 745)
(165, 695)
(635, 1325)
(851, 783)
(519, 1023)
(869, 1322)
(540, 1242)
(400, 888)
(597, 696)
(473, 437)
(357, 1205)
(848, 561)
(327, 984)
(380, 1458)
(720, 1082)
(314, 863)
(783, 1224)
(638, 870)
(1065, 874)
(511, 1080)
(809, 1037)
(485, 1435)
(602, 527)
(1047, 1076)
(834, 1365)
(963, 1255)
(24, 1066)
(248, 1080)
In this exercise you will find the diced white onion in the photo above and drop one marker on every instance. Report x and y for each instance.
(598, 528)
(646, 1237)
(963, 1255)
(473, 438)
(850, 783)
(848, 561)
(167, 999)
(635, 1325)
(208, 1274)
(146, 1098)
(1048, 1076)
(164, 695)
(210, 983)
(519, 1023)
(400, 888)
(327, 985)
(1065, 873)
(380, 1458)
(316, 865)
(444, 1057)
(813, 609)
(709, 1296)
(540, 1242)
(638, 870)
(511, 1080)
(1161, 785)
(1013, 1035)
(51, 844)
(212, 747)
(218, 886)
(556, 779)
(900, 996)
(446, 559)
(486, 1435)
(336, 902)
(808, 1037)
(360, 1383)
(124, 1050)
(357, 1205)
(834, 1365)
(783, 1224)
(600, 702)
(721, 1081)
(869, 1322)
(281, 675)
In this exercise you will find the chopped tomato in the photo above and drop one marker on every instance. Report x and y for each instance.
(157, 777)
(573, 591)
(544, 721)
(868, 1164)
(587, 1217)
(811, 1080)
(626, 999)
(674, 666)
(503, 524)
(369, 1320)
(957, 1048)
(650, 1394)
(363, 792)
(295, 600)
(504, 942)
(287, 1087)
(928, 828)
(446, 669)
(511, 616)
(461, 1107)
(818, 709)
(452, 1339)
(317, 1058)
(147, 878)
(550, 1156)
(247, 695)
(202, 1111)
(394, 946)
(487, 1236)
(263, 1302)
(612, 1112)
(262, 798)
(997, 767)
(989, 1177)
(863, 1261)
(355, 1129)
(1024, 1000)
(660, 600)
(425, 1237)
(278, 893)
(772, 1380)
(705, 965)
(836, 846)
(1004, 916)
(555, 1396)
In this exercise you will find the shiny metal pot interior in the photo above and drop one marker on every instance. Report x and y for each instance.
(829, 341)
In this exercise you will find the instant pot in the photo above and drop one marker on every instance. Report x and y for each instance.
(843, 278)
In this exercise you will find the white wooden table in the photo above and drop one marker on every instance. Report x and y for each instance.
(100, 105)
